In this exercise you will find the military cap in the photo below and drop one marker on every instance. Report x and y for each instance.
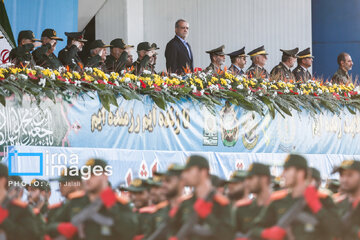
(173, 170)
(238, 53)
(144, 46)
(217, 51)
(27, 34)
(258, 51)
(78, 36)
(348, 165)
(119, 43)
(98, 44)
(50, 33)
(17, 179)
(217, 181)
(305, 54)
(315, 173)
(295, 160)
(291, 53)
(154, 181)
(333, 185)
(197, 161)
(68, 175)
(258, 169)
(40, 184)
(3, 170)
(94, 162)
(237, 176)
(154, 46)
(137, 185)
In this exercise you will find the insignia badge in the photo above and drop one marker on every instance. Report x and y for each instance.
(136, 183)
(90, 162)
(229, 125)
(347, 163)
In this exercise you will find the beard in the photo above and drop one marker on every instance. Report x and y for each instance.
(236, 195)
(171, 194)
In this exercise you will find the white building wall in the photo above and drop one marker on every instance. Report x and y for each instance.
(236, 23)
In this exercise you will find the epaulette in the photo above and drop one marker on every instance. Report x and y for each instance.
(324, 193)
(122, 200)
(19, 203)
(338, 197)
(185, 197)
(243, 202)
(55, 205)
(149, 209)
(221, 199)
(161, 205)
(77, 194)
(279, 195)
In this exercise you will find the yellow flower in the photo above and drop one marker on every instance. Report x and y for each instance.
(76, 75)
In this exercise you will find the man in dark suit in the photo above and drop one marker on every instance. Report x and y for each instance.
(178, 52)
(238, 61)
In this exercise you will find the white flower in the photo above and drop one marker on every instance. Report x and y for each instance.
(202, 92)
(38, 68)
(23, 77)
(229, 86)
(138, 83)
(127, 80)
(175, 93)
(53, 77)
(275, 94)
(12, 77)
(105, 81)
(116, 83)
(240, 86)
(147, 72)
(62, 69)
(107, 75)
(67, 81)
(249, 91)
(42, 82)
(96, 82)
(77, 83)
(123, 72)
(320, 91)
(173, 75)
(260, 93)
(286, 90)
(165, 86)
(249, 98)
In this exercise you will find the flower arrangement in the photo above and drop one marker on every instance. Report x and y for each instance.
(252, 93)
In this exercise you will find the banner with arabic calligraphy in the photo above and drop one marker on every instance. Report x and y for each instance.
(184, 126)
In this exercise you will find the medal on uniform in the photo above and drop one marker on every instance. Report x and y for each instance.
(105, 230)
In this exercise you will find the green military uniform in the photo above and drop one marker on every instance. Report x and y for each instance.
(349, 210)
(40, 55)
(255, 70)
(301, 73)
(247, 210)
(113, 64)
(217, 51)
(96, 61)
(16, 219)
(282, 201)
(341, 77)
(68, 56)
(143, 64)
(212, 213)
(21, 55)
(117, 209)
(281, 71)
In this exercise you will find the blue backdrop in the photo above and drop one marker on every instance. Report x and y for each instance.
(36, 15)
(335, 29)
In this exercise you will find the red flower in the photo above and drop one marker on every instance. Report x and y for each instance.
(207, 93)
(197, 93)
(143, 85)
(296, 93)
(32, 76)
(315, 94)
(345, 94)
(197, 69)
(280, 92)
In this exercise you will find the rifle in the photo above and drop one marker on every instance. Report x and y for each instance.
(188, 227)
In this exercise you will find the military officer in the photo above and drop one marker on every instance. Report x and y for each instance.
(16, 219)
(156, 192)
(246, 210)
(348, 203)
(297, 179)
(119, 51)
(21, 55)
(238, 62)
(345, 63)
(237, 189)
(145, 53)
(38, 195)
(304, 61)
(97, 55)
(258, 58)
(69, 55)
(206, 209)
(283, 70)
(217, 58)
(99, 194)
(44, 56)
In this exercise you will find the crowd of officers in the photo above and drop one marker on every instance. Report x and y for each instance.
(187, 202)
(179, 57)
